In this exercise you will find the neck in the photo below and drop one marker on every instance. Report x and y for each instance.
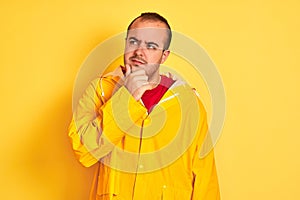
(155, 79)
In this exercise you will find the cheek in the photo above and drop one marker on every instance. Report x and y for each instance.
(155, 58)
(127, 56)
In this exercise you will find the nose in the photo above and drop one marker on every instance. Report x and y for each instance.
(139, 50)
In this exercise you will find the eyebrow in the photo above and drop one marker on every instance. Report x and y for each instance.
(133, 38)
(153, 43)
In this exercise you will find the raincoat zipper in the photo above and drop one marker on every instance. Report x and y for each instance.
(139, 153)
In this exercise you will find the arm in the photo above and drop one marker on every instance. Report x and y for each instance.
(206, 186)
(94, 130)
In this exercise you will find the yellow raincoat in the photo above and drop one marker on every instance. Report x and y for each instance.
(142, 156)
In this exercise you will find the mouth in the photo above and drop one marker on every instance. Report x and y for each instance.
(137, 62)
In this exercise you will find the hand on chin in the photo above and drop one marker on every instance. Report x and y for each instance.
(135, 67)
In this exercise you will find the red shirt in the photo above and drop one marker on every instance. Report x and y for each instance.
(152, 97)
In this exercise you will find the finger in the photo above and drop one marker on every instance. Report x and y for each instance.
(143, 86)
(147, 86)
(139, 72)
(128, 70)
(137, 78)
(138, 93)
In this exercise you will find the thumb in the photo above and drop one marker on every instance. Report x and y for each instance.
(128, 70)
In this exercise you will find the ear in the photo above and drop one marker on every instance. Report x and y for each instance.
(165, 55)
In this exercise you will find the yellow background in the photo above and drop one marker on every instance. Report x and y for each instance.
(255, 45)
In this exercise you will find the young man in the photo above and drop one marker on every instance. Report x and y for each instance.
(144, 130)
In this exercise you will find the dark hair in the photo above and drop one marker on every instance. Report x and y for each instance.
(152, 16)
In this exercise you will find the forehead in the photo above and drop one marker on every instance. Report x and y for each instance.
(154, 31)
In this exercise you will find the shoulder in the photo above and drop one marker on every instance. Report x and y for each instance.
(189, 99)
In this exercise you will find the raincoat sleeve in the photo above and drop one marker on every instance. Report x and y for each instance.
(206, 186)
(95, 126)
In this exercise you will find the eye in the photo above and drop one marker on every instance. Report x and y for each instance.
(133, 41)
(151, 46)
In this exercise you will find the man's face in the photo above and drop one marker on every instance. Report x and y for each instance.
(145, 46)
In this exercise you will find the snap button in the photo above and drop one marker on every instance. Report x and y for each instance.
(141, 166)
(164, 186)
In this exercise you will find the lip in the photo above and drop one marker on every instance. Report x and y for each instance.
(137, 61)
